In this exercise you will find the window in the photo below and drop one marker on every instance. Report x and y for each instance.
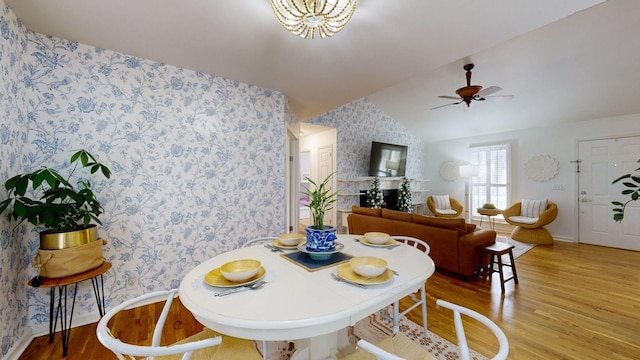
(492, 184)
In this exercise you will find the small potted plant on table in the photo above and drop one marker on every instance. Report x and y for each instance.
(320, 238)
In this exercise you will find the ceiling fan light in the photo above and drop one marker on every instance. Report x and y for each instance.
(306, 17)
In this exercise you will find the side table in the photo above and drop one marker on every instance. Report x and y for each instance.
(61, 310)
(489, 213)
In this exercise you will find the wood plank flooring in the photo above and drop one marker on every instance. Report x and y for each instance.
(574, 301)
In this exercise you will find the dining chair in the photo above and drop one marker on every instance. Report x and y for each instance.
(206, 344)
(259, 241)
(423, 246)
(395, 347)
(399, 346)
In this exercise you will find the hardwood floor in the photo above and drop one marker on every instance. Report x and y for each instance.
(573, 302)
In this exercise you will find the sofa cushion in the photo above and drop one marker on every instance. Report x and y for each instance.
(454, 224)
(397, 215)
(366, 211)
(442, 202)
(532, 208)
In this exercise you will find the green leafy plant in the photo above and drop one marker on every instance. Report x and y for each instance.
(632, 188)
(488, 206)
(321, 200)
(54, 202)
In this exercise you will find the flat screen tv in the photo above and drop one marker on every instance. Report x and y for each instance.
(387, 159)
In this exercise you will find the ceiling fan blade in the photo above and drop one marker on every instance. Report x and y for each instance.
(488, 91)
(449, 97)
(441, 106)
(499, 97)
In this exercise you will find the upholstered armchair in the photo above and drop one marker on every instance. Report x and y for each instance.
(529, 220)
(437, 204)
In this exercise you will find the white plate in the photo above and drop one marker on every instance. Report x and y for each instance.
(303, 247)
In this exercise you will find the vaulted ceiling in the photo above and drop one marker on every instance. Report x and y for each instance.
(563, 61)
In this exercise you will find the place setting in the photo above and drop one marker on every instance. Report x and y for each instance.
(286, 242)
(236, 276)
(378, 240)
(364, 272)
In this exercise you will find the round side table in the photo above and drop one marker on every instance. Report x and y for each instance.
(61, 309)
(490, 214)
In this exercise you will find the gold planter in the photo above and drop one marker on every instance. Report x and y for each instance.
(50, 240)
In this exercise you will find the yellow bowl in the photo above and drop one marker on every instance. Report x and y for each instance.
(377, 238)
(290, 239)
(240, 270)
(368, 266)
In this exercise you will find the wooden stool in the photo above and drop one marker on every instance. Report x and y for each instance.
(496, 251)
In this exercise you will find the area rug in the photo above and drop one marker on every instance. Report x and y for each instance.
(519, 247)
(373, 329)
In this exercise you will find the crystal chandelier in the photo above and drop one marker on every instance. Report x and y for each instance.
(305, 17)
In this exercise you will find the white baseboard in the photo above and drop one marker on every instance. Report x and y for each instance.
(20, 346)
(43, 329)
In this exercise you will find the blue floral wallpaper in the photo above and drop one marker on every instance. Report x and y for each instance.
(13, 144)
(198, 163)
(358, 124)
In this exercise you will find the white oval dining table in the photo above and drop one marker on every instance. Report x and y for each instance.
(297, 304)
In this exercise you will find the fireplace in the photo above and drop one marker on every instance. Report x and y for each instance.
(390, 199)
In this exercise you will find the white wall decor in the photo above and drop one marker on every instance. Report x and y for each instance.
(541, 168)
(449, 170)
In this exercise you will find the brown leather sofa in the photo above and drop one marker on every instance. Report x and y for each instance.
(455, 245)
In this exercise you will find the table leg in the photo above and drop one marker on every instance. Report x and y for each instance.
(98, 291)
(53, 321)
(62, 311)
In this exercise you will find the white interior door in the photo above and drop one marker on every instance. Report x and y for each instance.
(603, 161)
(325, 167)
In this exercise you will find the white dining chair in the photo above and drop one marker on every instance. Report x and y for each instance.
(400, 346)
(206, 344)
(259, 241)
(422, 301)
(458, 311)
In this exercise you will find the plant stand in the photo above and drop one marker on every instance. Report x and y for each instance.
(61, 309)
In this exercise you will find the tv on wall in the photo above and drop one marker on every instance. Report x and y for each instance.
(387, 159)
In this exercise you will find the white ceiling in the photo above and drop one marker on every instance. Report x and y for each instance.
(563, 61)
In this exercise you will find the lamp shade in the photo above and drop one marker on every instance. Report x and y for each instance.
(467, 171)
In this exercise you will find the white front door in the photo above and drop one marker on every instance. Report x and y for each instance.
(603, 161)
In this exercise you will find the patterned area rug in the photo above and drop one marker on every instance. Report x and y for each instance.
(373, 329)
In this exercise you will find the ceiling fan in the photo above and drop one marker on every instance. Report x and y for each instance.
(473, 92)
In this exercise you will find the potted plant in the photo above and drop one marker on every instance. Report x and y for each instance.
(45, 198)
(632, 190)
(320, 237)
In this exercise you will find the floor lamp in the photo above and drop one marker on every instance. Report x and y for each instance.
(467, 172)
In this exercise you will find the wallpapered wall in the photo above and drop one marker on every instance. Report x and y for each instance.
(358, 124)
(198, 162)
(14, 256)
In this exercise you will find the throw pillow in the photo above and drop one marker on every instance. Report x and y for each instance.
(532, 208)
(365, 211)
(397, 215)
(442, 202)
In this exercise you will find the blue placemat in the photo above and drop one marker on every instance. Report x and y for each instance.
(302, 259)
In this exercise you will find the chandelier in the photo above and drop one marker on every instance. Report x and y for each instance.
(305, 17)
